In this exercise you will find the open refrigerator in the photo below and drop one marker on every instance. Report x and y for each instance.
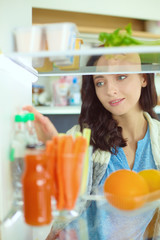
(16, 78)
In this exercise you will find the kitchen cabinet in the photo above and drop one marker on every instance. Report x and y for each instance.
(132, 9)
(90, 23)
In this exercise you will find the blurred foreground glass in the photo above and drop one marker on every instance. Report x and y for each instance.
(108, 222)
(66, 185)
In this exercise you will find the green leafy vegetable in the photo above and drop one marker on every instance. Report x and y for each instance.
(123, 37)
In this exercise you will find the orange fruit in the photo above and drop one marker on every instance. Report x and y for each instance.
(125, 189)
(152, 177)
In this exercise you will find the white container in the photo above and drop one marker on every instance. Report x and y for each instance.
(30, 39)
(152, 26)
(61, 37)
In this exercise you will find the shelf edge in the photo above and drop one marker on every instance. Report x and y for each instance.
(64, 110)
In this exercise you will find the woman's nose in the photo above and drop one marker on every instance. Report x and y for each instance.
(111, 87)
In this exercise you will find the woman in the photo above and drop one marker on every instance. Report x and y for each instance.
(118, 108)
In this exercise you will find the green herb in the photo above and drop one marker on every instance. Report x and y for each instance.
(123, 37)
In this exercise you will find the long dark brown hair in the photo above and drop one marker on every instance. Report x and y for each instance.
(105, 132)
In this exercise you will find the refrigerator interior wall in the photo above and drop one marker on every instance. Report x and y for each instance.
(16, 91)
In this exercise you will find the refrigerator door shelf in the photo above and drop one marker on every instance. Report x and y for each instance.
(17, 65)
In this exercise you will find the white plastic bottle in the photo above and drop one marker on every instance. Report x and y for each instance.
(31, 134)
(74, 93)
(17, 154)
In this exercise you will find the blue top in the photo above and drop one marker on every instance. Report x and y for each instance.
(106, 222)
(143, 158)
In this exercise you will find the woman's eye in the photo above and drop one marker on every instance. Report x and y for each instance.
(99, 84)
(121, 77)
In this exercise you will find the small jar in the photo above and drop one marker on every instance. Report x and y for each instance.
(36, 91)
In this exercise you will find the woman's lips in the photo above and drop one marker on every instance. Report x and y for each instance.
(116, 102)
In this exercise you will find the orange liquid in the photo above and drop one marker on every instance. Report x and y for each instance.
(36, 191)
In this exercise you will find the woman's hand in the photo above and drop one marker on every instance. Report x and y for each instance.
(44, 127)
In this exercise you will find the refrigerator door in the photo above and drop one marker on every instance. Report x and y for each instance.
(16, 91)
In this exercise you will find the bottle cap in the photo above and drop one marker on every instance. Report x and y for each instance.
(74, 80)
(29, 117)
(19, 118)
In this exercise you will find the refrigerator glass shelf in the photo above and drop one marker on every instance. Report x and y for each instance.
(62, 110)
(132, 59)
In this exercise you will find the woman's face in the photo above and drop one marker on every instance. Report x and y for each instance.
(118, 93)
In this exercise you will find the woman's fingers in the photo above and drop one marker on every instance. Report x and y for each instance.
(48, 129)
(44, 127)
(38, 116)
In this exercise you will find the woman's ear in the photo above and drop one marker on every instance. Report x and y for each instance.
(143, 80)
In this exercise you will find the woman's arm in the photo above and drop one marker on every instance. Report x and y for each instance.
(44, 127)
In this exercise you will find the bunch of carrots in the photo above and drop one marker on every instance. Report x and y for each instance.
(65, 157)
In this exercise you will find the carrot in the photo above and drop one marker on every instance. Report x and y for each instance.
(60, 147)
(65, 165)
(79, 154)
(67, 171)
(69, 145)
(54, 170)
